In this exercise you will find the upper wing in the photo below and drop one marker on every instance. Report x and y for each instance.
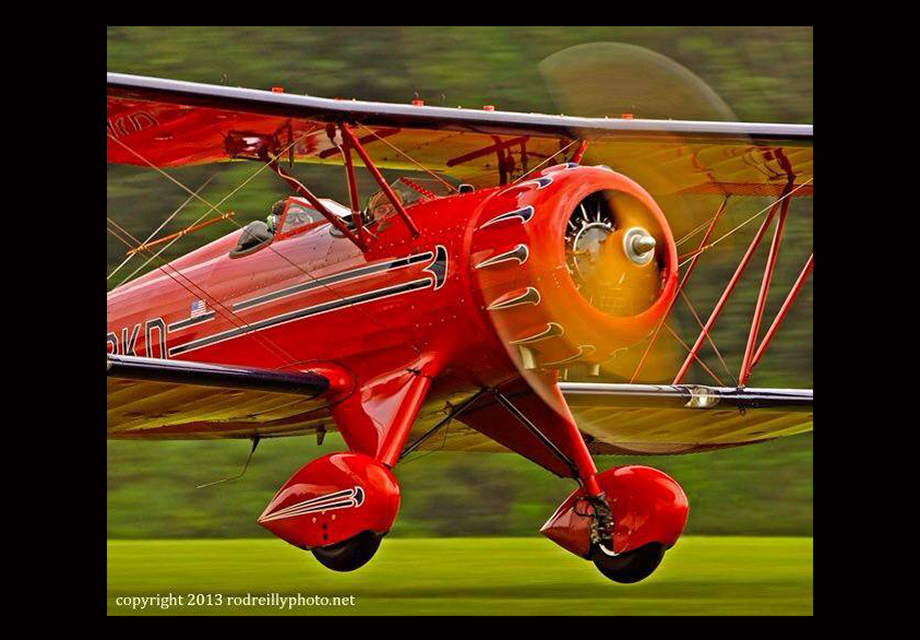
(173, 123)
(153, 398)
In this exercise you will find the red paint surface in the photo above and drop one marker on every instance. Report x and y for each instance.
(306, 513)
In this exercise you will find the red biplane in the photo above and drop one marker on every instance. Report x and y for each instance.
(476, 299)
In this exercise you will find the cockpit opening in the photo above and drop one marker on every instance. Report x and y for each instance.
(294, 215)
(287, 218)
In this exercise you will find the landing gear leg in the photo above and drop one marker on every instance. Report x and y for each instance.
(601, 528)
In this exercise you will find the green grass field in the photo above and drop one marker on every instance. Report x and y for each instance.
(469, 576)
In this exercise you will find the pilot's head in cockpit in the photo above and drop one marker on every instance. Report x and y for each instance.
(379, 206)
(275, 216)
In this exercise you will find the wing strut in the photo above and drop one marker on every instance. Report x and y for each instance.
(784, 309)
(580, 151)
(313, 200)
(533, 429)
(782, 201)
(762, 296)
(352, 141)
(453, 414)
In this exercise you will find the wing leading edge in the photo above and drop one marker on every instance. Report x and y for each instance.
(384, 114)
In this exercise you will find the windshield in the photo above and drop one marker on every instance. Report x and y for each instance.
(299, 213)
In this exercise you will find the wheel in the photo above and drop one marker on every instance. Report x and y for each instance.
(350, 554)
(631, 566)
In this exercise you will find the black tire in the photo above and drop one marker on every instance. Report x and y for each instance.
(350, 554)
(631, 566)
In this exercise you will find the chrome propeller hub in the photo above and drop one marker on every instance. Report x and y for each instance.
(639, 245)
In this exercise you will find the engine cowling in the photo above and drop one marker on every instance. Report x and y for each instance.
(573, 266)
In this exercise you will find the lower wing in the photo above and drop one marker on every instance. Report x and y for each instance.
(175, 399)
(641, 419)
(670, 419)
